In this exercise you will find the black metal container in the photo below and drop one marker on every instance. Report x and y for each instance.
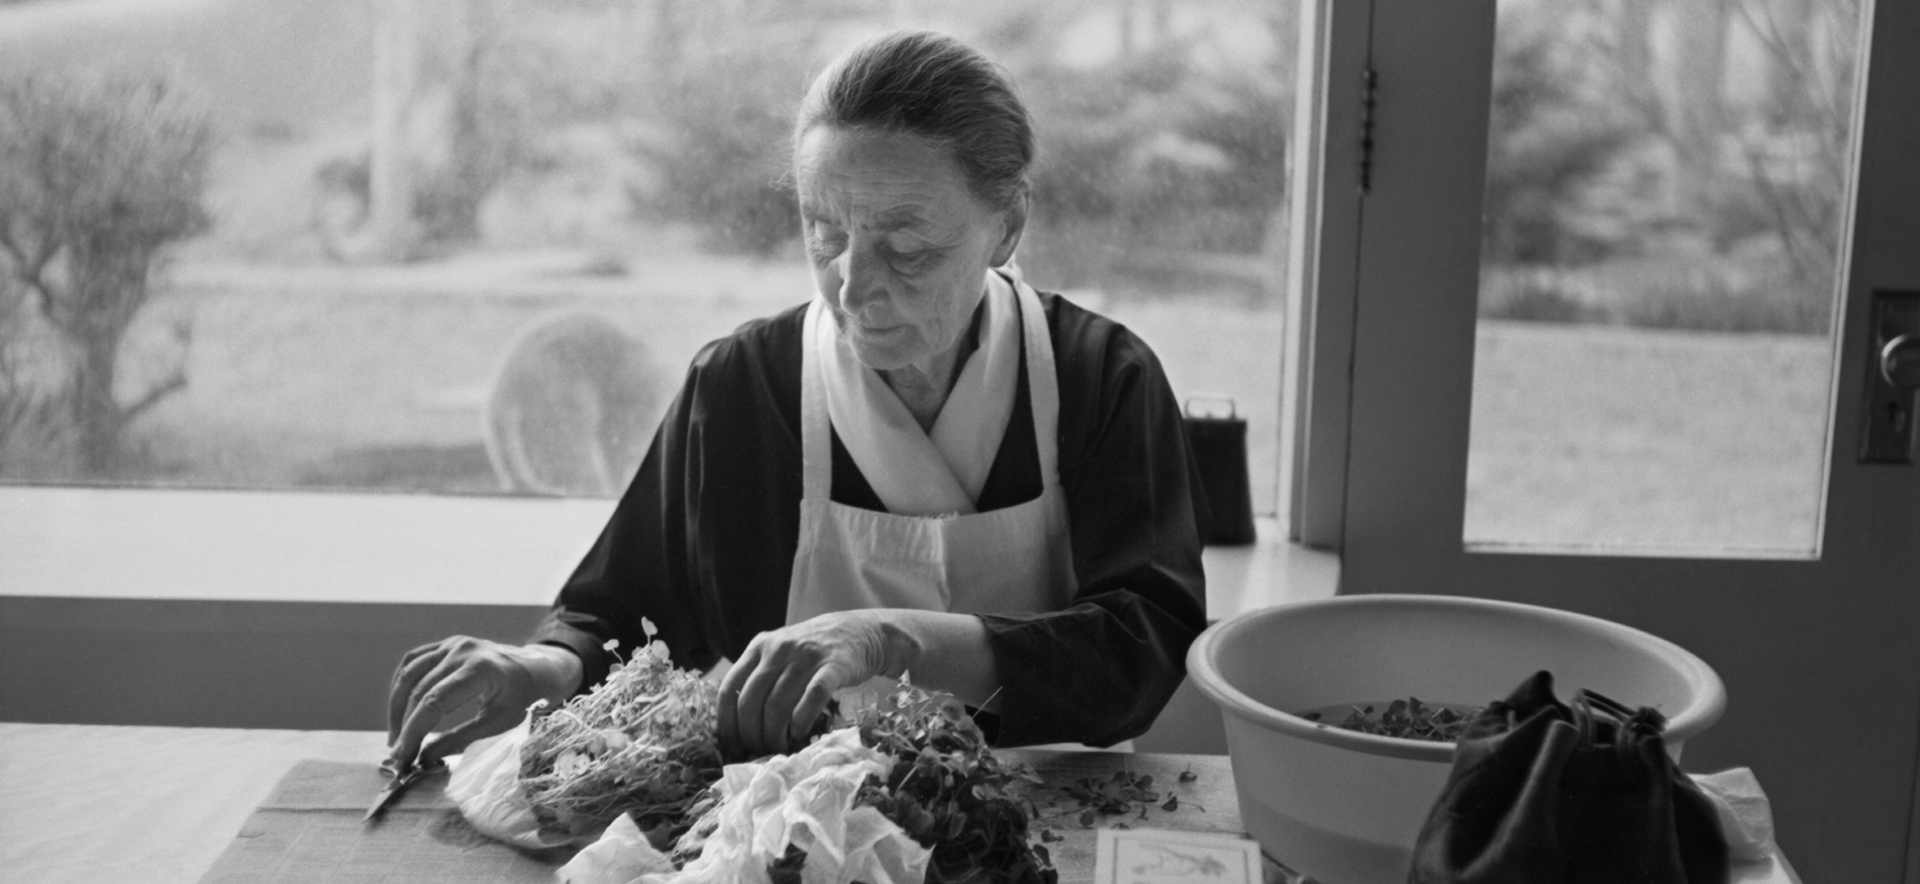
(1220, 450)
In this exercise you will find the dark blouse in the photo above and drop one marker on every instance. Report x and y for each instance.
(703, 541)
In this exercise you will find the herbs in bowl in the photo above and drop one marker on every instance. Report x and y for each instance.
(1408, 719)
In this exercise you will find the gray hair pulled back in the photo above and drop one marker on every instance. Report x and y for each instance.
(933, 87)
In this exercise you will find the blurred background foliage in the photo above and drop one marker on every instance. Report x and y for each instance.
(1667, 164)
(1660, 163)
(1616, 136)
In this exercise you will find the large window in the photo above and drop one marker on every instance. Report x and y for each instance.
(469, 246)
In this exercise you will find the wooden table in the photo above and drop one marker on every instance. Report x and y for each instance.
(88, 803)
(84, 803)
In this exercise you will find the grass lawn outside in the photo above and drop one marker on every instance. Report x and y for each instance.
(1654, 441)
(373, 379)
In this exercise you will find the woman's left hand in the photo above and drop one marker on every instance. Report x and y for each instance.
(779, 687)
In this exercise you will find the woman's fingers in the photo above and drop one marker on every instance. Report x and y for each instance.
(414, 666)
(813, 703)
(751, 715)
(770, 700)
(442, 691)
(730, 686)
(777, 720)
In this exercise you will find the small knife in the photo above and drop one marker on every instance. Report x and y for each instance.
(398, 783)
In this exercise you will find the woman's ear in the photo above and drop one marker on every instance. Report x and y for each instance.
(1015, 220)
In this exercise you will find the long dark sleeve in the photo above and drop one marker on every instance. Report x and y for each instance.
(1100, 671)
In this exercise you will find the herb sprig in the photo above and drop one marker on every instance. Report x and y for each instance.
(641, 742)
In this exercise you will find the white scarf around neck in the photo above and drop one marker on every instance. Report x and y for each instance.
(916, 473)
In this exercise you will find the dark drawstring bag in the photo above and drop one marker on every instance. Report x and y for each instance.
(1546, 793)
(1220, 451)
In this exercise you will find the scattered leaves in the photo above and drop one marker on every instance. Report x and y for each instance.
(1124, 792)
(1113, 795)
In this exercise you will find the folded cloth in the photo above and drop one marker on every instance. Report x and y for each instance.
(1546, 793)
(1746, 817)
(486, 786)
(769, 809)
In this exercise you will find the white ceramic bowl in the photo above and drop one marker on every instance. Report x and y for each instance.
(1346, 807)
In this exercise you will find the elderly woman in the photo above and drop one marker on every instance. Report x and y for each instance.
(930, 468)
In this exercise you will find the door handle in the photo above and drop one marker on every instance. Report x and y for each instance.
(1900, 362)
(1892, 378)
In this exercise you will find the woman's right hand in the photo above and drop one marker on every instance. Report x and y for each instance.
(434, 679)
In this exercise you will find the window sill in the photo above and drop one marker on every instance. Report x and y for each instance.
(290, 546)
(1270, 571)
(407, 549)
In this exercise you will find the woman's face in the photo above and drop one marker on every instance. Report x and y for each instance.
(898, 244)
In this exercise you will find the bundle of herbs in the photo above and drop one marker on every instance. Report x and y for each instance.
(643, 742)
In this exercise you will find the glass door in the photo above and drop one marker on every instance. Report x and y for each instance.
(1616, 266)
(1659, 268)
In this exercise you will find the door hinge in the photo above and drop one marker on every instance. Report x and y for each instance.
(1369, 85)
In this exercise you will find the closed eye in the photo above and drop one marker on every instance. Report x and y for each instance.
(825, 243)
(915, 261)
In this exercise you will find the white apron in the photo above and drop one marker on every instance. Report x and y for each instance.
(1015, 559)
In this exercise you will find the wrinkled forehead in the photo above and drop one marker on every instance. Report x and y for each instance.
(881, 181)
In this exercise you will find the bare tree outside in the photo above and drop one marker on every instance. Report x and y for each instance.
(98, 178)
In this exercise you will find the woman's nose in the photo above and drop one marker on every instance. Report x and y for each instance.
(861, 281)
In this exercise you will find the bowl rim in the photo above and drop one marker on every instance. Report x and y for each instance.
(1202, 666)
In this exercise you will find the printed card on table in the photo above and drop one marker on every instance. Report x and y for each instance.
(1159, 856)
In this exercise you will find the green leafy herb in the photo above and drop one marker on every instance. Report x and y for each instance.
(950, 793)
(1407, 719)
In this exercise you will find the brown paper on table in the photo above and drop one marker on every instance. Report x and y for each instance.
(310, 830)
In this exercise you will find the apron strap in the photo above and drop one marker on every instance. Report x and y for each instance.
(816, 440)
(1043, 383)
